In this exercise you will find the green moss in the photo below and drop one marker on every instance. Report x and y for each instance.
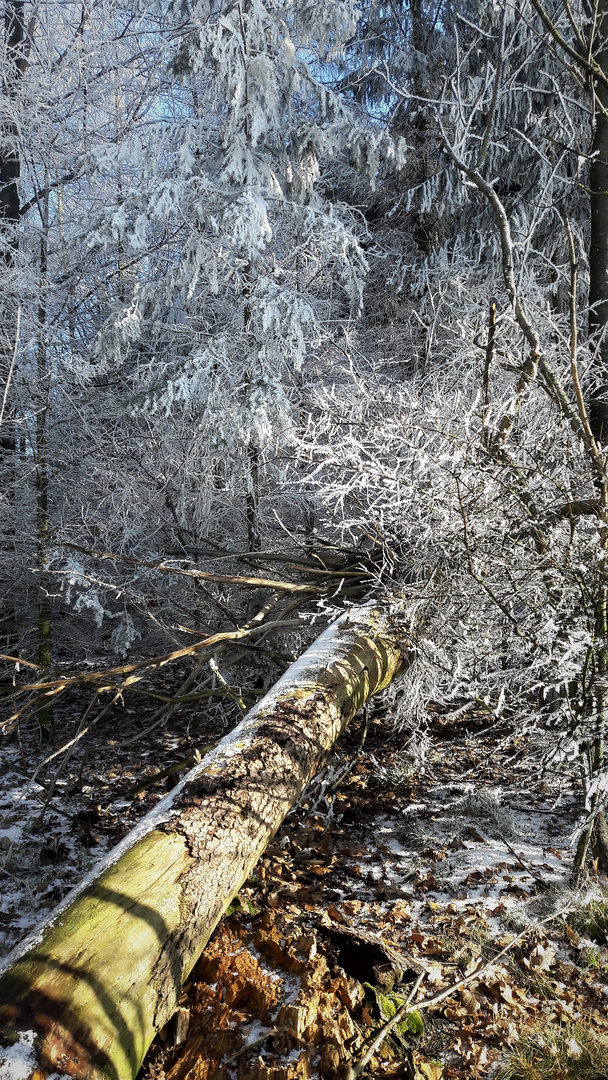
(413, 1025)
(241, 905)
(387, 1007)
(388, 1004)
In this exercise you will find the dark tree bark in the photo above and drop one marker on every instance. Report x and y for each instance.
(10, 162)
(598, 247)
(10, 170)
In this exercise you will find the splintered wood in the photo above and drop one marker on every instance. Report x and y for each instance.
(262, 986)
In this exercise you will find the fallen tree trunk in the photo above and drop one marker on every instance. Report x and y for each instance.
(105, 972)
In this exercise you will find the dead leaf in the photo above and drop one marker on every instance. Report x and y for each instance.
(335, 913)
(401, 909)
(352, 907)
(430, 1070)
(542, 957)
(455, 1012)
(474, 1053)
(471, 1000)
(434, 974)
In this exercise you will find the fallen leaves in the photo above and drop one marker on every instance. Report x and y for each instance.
(472, 1052)
(541, 958)
(429, 1070)
(340, 911)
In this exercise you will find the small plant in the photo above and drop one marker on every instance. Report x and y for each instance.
(485, 808)
(392, 777)
(591, 961)
(591, 921)
(418, 835)
(574, 1051)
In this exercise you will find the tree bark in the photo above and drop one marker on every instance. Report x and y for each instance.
(598, 243)
(10, 163)
(10, 214)
(45, 638)
(105, 972)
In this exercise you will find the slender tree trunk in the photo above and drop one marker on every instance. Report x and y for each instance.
(598, 245)
(10, 170)
(69, 284)
(596, 832)
(10, 163)
(99, 979)
(424, 222)
(45, 712)
(599, 834)
(253, 451)
(251, 498)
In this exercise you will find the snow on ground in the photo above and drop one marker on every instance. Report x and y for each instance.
(472, 841)
(94, 804)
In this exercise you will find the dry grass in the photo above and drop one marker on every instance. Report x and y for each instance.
(574, 1051)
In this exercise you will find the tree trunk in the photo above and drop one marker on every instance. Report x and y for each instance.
(105, 972)
(10, 163)
(45, 710)
(10, 214)
(598, 244)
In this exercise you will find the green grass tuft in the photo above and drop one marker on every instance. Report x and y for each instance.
(591, 921)
(574, 1052)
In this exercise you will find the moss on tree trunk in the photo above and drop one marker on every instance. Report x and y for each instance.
(106, 971)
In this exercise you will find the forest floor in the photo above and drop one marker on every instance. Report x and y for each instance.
(412, 861)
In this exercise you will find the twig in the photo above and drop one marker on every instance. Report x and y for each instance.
(297, 561)
(199, 575)
(253, 1044)
(408, 1006)
(141, 665)
(335, 784)
(536, 361)
(588, 64)
(465, 528)
(487, 135)
(224, 691)
(526, 867)
(580, 400)
(20, 660)
(486, 370)
(231, 691)
(196, 756)
(443, 994)
(386, 1030)
(11, 368)
(69, 751)
(164, 714)
(67, 746)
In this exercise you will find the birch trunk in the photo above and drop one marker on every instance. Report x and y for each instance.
(105, 972)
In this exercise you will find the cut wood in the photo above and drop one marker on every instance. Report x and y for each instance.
(86, 994)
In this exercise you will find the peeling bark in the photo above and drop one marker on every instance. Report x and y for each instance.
(105, 972)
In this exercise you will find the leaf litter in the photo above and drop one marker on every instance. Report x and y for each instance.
(399, 873)
(402, 870)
